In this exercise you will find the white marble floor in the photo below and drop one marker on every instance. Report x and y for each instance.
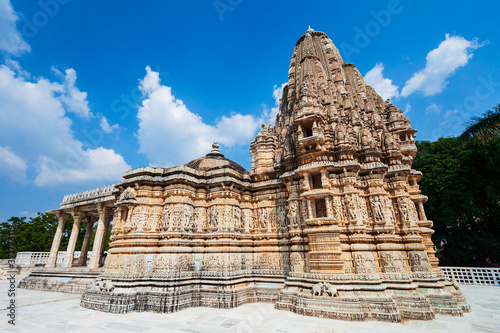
(40, 311)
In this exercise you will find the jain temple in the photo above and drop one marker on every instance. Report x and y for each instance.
(328, 222)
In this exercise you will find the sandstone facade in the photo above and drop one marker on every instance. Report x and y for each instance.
(328, 222)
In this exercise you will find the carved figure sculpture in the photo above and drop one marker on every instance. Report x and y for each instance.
(330, 290)
(106, 286)
(293, 215)
(317, 289)
(378, 209)
(167, 211)
(338, 208)
(403, 207)
(351, 205)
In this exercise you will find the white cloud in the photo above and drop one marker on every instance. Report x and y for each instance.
(407, 109)
(433, 108)
(269, 116)
(450, 113)
(16, 67)
(454, 52)
(35, 127)
(74, 99)
(12, 165)
(11, 41)
(105, 125)
(28, 214)
(170, 134)
(85, 166)
(383, 86)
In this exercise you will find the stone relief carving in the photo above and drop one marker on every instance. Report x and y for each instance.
(293, 214)
(405, 211)
(156, 218)
(282, 215)
(363, 210)
(392, 262)
(167, 215)
(143, 212)
(390, 209)
(128, 194)
(136, 216)
(237, 219)
(364, 263)
(351, 207)
(186, 223)
(296, 262)
(338, 208)
(419, 261)
(263, 218)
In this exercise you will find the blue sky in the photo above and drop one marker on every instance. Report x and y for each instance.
(89, 89)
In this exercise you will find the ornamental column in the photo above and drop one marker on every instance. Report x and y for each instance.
(70, 251)
(99, 234)
(86, 242)
(52, 260)
(329, 213)
(105, 236)
(421, 211)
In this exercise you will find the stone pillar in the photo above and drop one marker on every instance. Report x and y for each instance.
(52, 260)
(105, 237)
(325, 182)
(421, 211)
(99, 234)
(310, 214)
(86, 242)
(329, 213)
(307, 181)
(70, 251)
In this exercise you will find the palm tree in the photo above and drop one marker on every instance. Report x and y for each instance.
(485, 128)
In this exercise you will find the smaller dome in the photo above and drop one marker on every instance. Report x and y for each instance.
(214, 160)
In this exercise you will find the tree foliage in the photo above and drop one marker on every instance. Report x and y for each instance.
(485, 128)
(462, 182)
(36, 234)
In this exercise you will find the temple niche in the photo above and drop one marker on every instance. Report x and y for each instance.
(329, 221)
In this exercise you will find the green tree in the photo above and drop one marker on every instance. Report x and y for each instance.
(35, 235)
(485, 128)
(462, 182)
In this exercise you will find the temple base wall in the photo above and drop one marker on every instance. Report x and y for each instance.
(61, 280)
(207, 289)
(352, 298)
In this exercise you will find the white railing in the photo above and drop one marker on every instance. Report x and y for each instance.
(473, 275)
(29, 259)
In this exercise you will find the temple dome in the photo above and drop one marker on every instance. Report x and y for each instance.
(214, 160)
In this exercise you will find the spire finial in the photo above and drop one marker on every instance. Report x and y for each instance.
(215, 148)
(310, 29)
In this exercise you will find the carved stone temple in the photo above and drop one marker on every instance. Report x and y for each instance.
(329, 221)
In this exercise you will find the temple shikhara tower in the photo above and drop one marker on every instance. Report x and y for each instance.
(329, 221)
